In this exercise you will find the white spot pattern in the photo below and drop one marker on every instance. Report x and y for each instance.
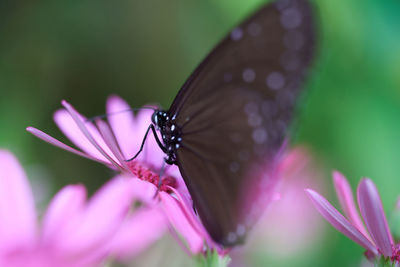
(248, 75)
(234, 166)
(275, 80)
(236, 34)
(232, 237)
(240, 229)
(251, 108)
(254, 120)
(259, 135)
(291, 18)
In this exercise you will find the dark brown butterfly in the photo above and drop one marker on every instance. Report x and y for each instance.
(232, 114)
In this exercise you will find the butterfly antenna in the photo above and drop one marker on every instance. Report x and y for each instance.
(151, 127)
(116, 113)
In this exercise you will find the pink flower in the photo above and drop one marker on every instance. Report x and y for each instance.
(113, 142)
(73, 231)
(277, 237)
(376, 237)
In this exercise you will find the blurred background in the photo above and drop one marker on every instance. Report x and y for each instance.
(83, 51)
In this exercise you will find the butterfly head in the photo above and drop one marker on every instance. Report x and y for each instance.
(159, 119)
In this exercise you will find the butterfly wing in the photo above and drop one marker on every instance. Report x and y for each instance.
(234, 111)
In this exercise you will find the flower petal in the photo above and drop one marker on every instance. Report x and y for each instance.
(185, 204)
(66, 205)
(92, 229)
(180, 222)
(90, 132)
(345, 196)
(17, 210)
(47, 138)
(130, 131)
(138, 232)
(143, 191)
(71, 130)
(123, 123)
(338, 221)
(371, 209)
(110, 141)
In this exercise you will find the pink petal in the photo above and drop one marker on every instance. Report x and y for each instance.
(90, 132)
(338, 221)
(71, 130)
(345, 196)
(186, 205)
(142, 229)
(47, 138)
(180, 222)
(110, 141)
(91, 231)
(130, 131)
(17, 210)
(143, 191)
(371, 209)
(123, 124)
(173, 171)
(67, 204)
(153, 154)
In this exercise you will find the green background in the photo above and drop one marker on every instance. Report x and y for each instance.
(84, 51)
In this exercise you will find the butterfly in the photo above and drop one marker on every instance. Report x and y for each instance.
(231, 116)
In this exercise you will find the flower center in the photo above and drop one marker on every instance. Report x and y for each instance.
(396, 253)
(145, 174)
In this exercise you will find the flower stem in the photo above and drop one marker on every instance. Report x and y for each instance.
(212, 259)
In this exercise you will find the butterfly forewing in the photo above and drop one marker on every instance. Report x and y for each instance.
(235, 109)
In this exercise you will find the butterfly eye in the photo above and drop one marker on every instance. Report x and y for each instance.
(154, 118)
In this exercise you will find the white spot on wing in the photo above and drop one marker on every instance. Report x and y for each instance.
(281, 5)
(232, 237)
(275, 80)
(248, 75)
(236, 34)
(259, 135)
(291, 18)
(234, 166)
(254, 120)
(240, 229)
(251, 108)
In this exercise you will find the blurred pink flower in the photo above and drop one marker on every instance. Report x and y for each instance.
(289, 227)
(376, 238)
(119, 139)
(73, 231)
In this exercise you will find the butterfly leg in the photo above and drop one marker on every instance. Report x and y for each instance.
(151, 127)
(160, 178)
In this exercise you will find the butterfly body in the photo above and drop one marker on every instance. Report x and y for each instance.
(230, 119)
(170, 132)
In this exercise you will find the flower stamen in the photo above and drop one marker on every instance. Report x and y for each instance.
(144, 173)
